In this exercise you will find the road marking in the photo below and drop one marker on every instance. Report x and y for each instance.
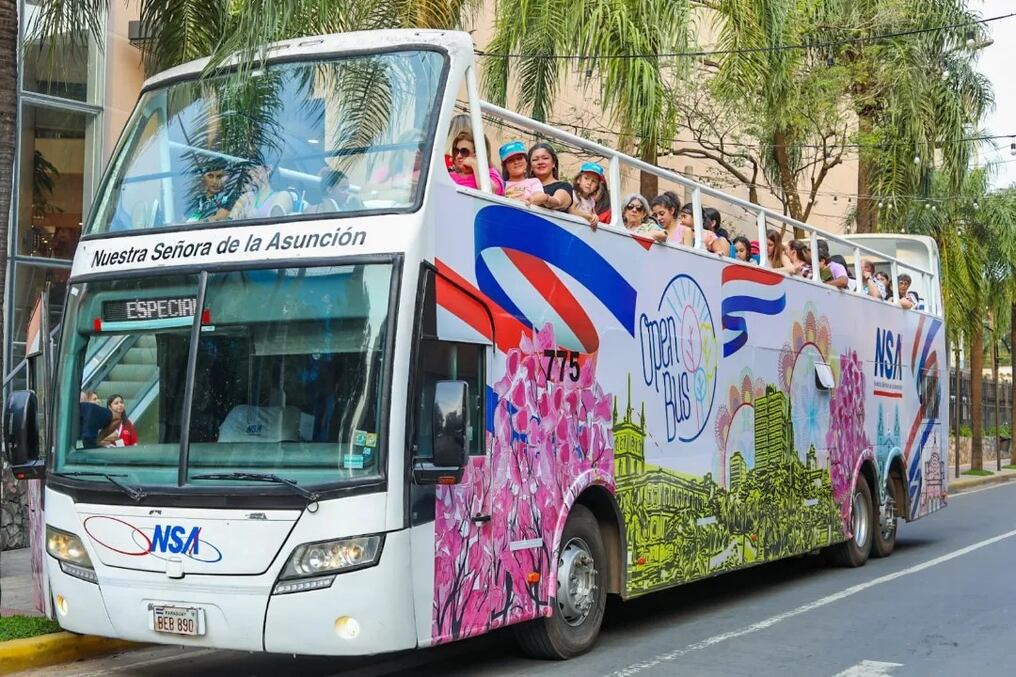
(636, 668)
(870, 669)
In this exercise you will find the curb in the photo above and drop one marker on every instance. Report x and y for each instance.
(56, 648)
(966, 483)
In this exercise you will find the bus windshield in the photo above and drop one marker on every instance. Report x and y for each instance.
(293, 140)
(286, 380)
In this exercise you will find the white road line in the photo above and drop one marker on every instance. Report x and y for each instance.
(870, 669)
(636, 668)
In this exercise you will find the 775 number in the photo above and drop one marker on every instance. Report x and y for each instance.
(567, 359)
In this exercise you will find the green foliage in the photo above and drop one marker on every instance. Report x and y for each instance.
(20, 627)
(978, 472)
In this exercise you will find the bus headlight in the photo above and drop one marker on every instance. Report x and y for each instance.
(332, 557)
(70, 551)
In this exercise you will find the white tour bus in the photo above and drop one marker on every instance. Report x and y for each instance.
(312, 396)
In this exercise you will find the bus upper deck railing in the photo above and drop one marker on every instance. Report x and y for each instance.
(763, 215)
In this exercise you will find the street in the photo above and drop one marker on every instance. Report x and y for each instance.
(942, 605)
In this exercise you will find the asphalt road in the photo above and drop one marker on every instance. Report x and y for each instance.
(943, 604)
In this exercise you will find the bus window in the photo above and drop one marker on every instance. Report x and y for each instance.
(444, 361)
(328, 137)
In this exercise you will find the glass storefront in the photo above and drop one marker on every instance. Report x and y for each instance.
(60, 111)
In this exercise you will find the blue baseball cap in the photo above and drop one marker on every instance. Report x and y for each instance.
(592, 167)
(512, 148)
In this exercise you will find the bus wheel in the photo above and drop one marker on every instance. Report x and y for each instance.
(581, 594)
(854, 553)
(884, 535)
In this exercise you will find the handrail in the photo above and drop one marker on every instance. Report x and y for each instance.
(763, 214)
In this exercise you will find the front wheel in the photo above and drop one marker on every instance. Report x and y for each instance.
(854, 553)
(581, 594)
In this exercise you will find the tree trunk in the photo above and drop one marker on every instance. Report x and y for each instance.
(649, 184)
(866, 217)
(8, 118)
(788, 183)
(1012, 404)
(976, 403)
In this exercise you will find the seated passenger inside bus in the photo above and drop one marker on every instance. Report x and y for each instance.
(720, 242)
(798, 259)
(557, 194)
(213, 202)
(831, 272)
(586, 188)
(666, 208)
(639, 221)
(774, 249)
(260, 199)
(336, 193)
(464, 167)
(908, 298)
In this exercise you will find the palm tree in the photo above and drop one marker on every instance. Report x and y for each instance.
(8, 120)
(610, 35)
(976, 235)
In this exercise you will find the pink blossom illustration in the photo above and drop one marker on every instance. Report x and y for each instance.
(550, 438)
(846, 437)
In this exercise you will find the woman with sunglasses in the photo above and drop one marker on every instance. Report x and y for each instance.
(639, 221)
(557, 194)
(463, 170)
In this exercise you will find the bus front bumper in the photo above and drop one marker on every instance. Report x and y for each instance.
(363, 612)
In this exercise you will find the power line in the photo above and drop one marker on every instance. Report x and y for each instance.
(748, 50)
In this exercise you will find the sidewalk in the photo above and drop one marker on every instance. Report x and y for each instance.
(958, 485)
(16, 583)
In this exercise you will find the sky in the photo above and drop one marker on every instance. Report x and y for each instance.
(998, 62)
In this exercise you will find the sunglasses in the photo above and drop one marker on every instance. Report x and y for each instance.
(463, 151)
(635, 207)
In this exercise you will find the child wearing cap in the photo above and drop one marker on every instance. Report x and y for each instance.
(586, 189)
(515, 171)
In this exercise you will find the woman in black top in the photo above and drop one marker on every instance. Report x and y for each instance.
(556, 194)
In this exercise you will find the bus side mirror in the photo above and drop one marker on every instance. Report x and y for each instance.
(451, 414)
(450, 423)
(21, 435)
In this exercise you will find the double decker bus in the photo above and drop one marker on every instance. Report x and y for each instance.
(311, 396)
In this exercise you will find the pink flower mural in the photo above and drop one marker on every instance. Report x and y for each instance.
(846, 437)
(551, 439)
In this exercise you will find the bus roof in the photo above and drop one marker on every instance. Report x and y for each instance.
(456, 43)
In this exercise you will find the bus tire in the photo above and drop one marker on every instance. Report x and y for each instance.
(581, 597)
(883, 539)
(854, 552)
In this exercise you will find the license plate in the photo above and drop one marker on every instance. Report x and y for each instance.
(177, 620)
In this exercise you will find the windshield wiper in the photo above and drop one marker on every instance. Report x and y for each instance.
(311, 496)
(134, 493)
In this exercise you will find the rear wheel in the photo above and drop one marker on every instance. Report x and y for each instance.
(581, 594)
(854, 552)
(884, 535)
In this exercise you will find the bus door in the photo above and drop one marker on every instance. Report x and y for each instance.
(453, 357)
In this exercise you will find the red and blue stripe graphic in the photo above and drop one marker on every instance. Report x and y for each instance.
(747, 290)
(926, 373)
(536, 247)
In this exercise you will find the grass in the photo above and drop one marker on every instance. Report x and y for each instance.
(18, 627)
(977, 472)
(1011, 466)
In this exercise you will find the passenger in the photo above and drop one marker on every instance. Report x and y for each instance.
(543, 165)
(721, 239)
(638, 220)
(337, 196)
(515, 171)
(212, 204)
(463, 171)
(259, 200)
(873, 285)
(742, 249)
(90, 396)
(908, 299)
(832, 272)
(603, 203)
(686, 219)
(460, 123)
(120, 432)
(586, 187)
(774, 249)
(666, 209)
(798, 260)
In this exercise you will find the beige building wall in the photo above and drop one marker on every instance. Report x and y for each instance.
(124, 75)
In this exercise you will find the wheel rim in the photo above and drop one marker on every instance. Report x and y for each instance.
(888, 518)
(576, 582)
(859, 519)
